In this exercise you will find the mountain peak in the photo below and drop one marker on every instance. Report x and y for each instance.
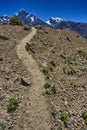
(22, 10)
(29, 19)
(57, 19)
(53, 21)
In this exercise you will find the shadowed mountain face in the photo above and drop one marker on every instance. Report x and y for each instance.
(80, 28)
(30, 19)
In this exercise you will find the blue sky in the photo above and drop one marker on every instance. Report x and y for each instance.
(75, 10)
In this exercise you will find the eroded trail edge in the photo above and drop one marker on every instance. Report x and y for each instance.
(39, 116)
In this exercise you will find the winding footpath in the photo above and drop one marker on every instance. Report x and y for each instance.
(39, 116)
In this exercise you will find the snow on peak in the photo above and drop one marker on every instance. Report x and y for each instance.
(57, 19)
(5, 15)
(22, 10)
(16, 14)
(48, 22)
(32, 18)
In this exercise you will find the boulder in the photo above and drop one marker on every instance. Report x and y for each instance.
(25, 81)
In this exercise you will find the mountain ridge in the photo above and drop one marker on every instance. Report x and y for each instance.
(79, 27)
(32, 20)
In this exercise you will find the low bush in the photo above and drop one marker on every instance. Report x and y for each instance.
(64, 117)
(12, 104)
(15, 21)
(2, 126)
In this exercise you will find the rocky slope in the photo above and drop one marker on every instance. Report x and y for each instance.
(80, 28)
(12, 72)
(62, 57)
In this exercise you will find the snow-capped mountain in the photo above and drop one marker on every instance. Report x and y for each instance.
(54, 22)
(80, 28)
(30, 19)
(4, 18)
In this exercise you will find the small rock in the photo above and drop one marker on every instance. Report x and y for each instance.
(1, 58)
(25, 81)
(27, 28)
(68, 38)
(2, 36)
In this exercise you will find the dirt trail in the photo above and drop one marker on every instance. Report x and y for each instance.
(39, 117)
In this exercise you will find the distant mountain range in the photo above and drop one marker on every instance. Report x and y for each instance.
(31, 20)
(4, 18)
(79, 27)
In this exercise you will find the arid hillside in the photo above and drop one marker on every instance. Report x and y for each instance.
(12, 71)
(56, 59)
(62, 57)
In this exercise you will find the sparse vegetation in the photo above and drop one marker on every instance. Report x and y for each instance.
(12, 104)
(47, 85)
(11, 70)
(52, 62)
(84, 115)
(2, 126)
(63, 55)
(45, 71)
(69, 71)
(60, 126)
(15, 21)
(54, 113)
(30, 47)
(64, 117)
(69, 92)
(53, 89)
(82, 53)
(70, 60)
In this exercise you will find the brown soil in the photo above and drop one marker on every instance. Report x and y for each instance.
(38, 116)
(61, 47)
(55, 51)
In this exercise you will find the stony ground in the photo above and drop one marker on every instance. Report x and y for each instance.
(11, 72)
(62, 57)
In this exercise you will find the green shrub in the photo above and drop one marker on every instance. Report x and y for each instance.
(70, 60)
(82, 53)
(51, 69)
(69, 71)
(84, 115)
(45, 71)
(2, 126)
(53, 89)
(15, 21)
(54, 113)
(12, 104)
(63, 55)
(52, 62)
(47, 85)
(60, 126)
(30, 47)
(64, 117)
